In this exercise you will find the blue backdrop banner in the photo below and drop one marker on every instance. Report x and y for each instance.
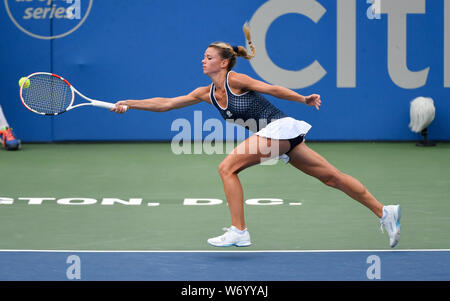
(367, 59)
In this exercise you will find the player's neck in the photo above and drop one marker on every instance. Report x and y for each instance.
(219, 78)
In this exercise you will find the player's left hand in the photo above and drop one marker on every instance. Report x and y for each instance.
(313, 100)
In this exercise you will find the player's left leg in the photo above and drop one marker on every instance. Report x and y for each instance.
(313, 164)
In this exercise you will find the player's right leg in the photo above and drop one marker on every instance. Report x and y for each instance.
(250, 152)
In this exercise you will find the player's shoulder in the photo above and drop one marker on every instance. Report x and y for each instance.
(238, 80)
(202, 93)
(234, 76)
(202, 90)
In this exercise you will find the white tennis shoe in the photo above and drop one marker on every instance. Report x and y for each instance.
(231, 237)
(391, 222)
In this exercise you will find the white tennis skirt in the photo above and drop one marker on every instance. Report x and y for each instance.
(284, 128)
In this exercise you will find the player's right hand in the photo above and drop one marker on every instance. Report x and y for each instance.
(120, 107)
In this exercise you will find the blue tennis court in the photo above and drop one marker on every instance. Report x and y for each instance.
(404, 265)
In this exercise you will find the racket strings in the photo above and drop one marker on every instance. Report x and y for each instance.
(47, 94)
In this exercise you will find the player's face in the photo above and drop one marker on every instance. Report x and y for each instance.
(212, 61)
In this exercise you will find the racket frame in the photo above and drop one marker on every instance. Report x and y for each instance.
(92, 102)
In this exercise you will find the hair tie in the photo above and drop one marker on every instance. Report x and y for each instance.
(236, 49)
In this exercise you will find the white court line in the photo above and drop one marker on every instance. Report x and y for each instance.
(231, 251)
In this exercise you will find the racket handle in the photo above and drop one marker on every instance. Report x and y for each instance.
(106, 105)
(102, 104)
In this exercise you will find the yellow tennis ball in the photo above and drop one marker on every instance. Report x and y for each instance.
(27, 83)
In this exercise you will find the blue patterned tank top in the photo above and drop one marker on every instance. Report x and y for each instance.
(250, 109)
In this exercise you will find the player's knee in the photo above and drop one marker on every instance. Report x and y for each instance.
(225, 169)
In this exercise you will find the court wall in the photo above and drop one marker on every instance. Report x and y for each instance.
(366, 67)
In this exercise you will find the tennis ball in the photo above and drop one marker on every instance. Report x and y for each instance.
(27, 83)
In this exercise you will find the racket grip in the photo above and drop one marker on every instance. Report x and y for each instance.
(107, 105)
(102, 104)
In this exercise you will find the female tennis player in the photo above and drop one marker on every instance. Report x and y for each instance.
(238, 96)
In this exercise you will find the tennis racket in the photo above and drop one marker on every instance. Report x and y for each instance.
(50, 94)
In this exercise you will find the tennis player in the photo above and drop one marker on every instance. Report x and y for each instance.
(239, 97)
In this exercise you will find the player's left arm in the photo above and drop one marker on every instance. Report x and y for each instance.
(246, 83)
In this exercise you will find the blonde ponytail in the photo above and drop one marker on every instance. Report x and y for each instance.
(242, 50)
(230, 52)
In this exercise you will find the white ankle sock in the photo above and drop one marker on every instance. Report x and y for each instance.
(238, 231)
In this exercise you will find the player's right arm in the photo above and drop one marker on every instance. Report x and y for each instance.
(162, 104)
